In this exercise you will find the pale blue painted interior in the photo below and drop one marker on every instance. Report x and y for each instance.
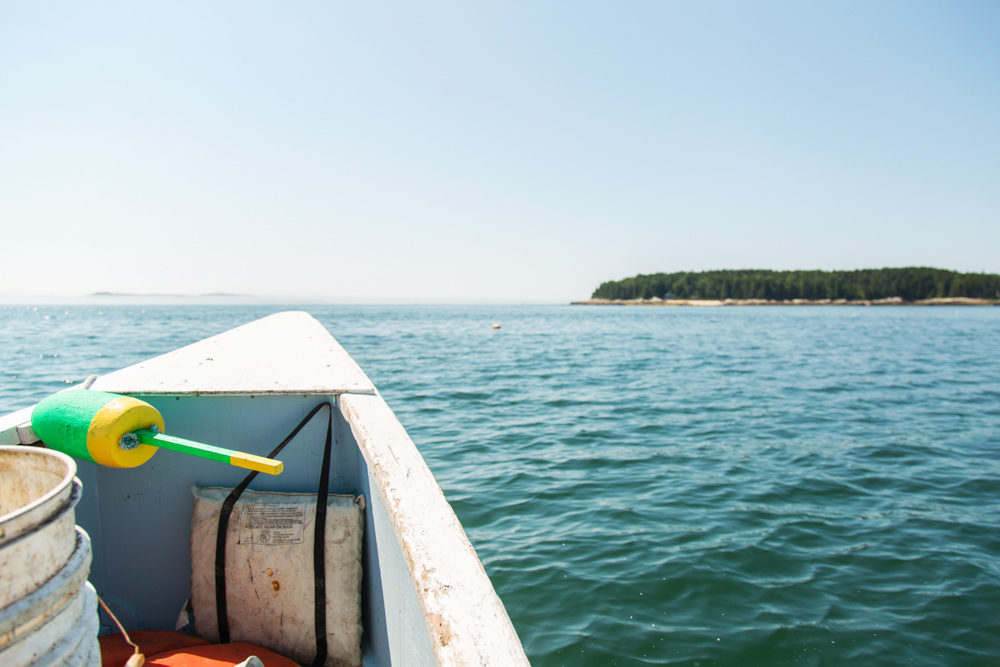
(139, 519)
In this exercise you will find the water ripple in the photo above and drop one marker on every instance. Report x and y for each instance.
(813, 486)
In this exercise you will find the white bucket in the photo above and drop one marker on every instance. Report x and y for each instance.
(38, 492)
(48, 612)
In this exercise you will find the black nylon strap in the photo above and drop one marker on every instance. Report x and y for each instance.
(319, 565)
(319, 551)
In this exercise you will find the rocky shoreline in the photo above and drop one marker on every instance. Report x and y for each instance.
(891, 301)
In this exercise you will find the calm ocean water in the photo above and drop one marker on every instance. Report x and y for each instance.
(764, 485)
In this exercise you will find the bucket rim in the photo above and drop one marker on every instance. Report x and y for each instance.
(57, 490)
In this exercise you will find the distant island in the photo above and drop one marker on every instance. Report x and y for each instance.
(130, 295)
(898, 286)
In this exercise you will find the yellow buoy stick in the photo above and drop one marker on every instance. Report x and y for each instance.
(221, 454)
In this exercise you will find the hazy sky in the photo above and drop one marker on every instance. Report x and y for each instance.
(480, 152)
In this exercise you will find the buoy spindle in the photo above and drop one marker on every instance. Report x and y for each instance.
(220, 454)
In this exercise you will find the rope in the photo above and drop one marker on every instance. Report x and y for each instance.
(137, 659)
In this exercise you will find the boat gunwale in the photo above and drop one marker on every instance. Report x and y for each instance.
(466, 619)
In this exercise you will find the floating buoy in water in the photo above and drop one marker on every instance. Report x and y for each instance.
(121, 432)
(496, 326)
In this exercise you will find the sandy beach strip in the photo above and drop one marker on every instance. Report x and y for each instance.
(891, 301)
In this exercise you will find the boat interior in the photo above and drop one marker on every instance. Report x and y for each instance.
(139, 519)
(426, 599)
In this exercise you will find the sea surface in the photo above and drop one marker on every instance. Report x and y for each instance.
(699, 486)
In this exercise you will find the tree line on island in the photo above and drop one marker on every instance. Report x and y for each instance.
(910, 284)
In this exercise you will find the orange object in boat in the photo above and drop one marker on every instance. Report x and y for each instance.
(175, 649)
(217, 655)
(115, 652)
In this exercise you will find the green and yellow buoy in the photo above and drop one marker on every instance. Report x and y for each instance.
(121, 432)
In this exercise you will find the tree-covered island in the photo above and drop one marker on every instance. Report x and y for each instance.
(891, 286)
